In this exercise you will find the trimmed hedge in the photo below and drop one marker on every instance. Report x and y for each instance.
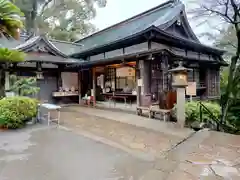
(15, 111)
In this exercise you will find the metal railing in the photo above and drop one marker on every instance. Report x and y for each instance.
(220, 126)
(213, 121)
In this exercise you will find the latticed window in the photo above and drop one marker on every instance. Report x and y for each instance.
(110, 76)
(159, 78)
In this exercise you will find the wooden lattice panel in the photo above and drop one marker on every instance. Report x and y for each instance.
(156, 77)
(212, 83)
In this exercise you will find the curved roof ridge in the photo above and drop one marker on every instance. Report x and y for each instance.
(189, 27)
(28, 42)
(152, 10)
(36, 39)
(169, 16)
(52, 46)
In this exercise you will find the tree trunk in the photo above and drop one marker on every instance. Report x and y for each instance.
(231, 76)
(2, 83)
(34, 16)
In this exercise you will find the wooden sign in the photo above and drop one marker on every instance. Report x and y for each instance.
(191, 89)
(100, 69)
(140, 82)
(125, 71)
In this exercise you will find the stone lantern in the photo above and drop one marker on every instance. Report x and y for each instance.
(179, 80)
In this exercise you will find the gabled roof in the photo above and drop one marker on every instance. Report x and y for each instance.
(162, 17)
(49, 48)
(33, 42)
(64, 47)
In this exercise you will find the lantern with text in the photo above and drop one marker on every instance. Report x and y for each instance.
(179, 75)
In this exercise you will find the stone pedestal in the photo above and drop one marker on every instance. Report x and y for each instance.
(181, 106)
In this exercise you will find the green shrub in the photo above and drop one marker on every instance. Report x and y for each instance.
(192, 111)
(14, 111)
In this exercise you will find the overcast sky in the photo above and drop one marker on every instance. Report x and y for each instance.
(119, 10)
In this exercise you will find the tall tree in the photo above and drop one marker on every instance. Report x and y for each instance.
(62, 19)
(10, 22)
(10, 19)
(227, 14)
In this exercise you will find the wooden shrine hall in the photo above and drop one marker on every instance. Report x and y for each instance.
(151, 43)
(127, 60)
(48, 61)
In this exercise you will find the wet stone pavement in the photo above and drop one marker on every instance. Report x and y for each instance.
(87, 147)
(50, 153)
(203, 155)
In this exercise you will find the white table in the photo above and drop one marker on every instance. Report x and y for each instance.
(50, 108)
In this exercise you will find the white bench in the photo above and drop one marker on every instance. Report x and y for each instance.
(49, 108)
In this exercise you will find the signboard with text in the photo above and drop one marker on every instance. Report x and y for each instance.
(191, 89)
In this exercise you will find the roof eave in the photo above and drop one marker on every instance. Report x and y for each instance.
(152, 28)
(191, 43)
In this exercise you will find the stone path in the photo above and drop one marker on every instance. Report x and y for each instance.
(202, 155)
(207, 155)
(141, 140)
(40, 152)
(133, 119)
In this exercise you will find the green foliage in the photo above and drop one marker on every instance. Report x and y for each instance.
(224, 80)
(7, 55)
(192, 111)
(14, 111)
(10, 17)
(233, 115)
(23, 86)
(63, 20)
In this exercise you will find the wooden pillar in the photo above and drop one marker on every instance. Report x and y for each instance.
(138, 88)
(144, 67)
(94, 84)
(208, 83)
(115, 79)
(146, 77)
(79, 87)
(166, 83)
(218, 79)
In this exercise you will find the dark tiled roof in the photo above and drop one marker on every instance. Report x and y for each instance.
(60, 49)
(64, 47)
(67, 48)
(159, 16)
(159, 19)
(35, 40)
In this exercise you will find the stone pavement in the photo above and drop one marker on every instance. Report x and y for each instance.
(206, 155)
(40, 152)
(176, 155)
(133, 119)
